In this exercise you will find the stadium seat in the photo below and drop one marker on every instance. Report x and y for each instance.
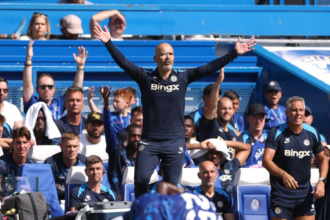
(41, 152)
(251, 194)
(127, 187)
(46, 184)
(189, 178)
(89, 150)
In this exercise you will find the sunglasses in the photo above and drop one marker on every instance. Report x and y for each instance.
(4, 90)
(43, 87)
(37, 13)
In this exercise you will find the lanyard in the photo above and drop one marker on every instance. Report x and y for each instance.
(68, 125)
(279, 111)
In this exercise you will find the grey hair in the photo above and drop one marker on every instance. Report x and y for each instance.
(294, 99)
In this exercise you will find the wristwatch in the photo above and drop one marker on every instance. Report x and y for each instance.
(323, 179)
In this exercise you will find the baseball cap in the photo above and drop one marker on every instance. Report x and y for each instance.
(273, 85)
(94, 116)
(308, 109)
(207, 90)
(255, 109)
(72, 23)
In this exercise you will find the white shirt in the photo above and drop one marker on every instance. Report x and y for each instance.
(84, 142)
(26, 37)
(11, 114)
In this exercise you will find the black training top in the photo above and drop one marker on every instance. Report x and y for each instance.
(163, 100)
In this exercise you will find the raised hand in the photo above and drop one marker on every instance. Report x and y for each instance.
(222, 74)
(103, 36)
(82, 55)
(29, 51)
(106, 92)
(90, 93)
(207, 145)
(245, 47)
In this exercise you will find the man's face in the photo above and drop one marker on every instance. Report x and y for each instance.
(296, 113)
(21, 146)
(3, 91)
(94, 172)
(134, 136)
(137, 118)
(188, 128)
(40, 125)
(1, 129)
(308, 118)
(46, 88)
(273, 97)
(214, 156)
(235, 105)
(119, 104)
(74, 102)
(69, 35)
(225, 110)
(117, 26)
(208, 174)
(95, 129)
(257, 122)
(70, 149)
(164, 57)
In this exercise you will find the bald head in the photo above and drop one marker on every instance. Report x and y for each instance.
(207, 173)
(225, 109)
(164, 57)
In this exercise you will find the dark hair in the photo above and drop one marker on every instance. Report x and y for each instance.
(129, 127)
(3, 80)
(232, 95)
(136, 109)
(22, 132)
(132, 90)
(121, 14)
(73, 89)
(43, 75)
(188, 117)
(2, 119)
(93, 159)
(69, 136)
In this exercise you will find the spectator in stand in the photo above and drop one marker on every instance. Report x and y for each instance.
(84, 2)
(45, 84)
(134, 100)
(39, 28)
(11, 113)
(92, 190)
(210, 126)
(255, 136)
(10, 163)
(117, 23)
(5, 130)
(60, 163)
(119, 155)
(275, 113)
(196, 115)
(94, 128)
(71, 27)
(136, 118)
(40, 122)
(219, 197)
(237, 121)
(73, 120)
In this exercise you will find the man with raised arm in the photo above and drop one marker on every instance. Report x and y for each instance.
(45, 84)
(163, 98)
(287, 157)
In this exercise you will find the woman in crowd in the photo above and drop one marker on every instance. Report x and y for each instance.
(39, 28)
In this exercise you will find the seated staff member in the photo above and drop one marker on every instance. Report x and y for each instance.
(237, 121)
(60, 163)
(255, 136)
(220, 198)
(92, 190)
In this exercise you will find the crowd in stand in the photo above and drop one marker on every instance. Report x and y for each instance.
(215, 136)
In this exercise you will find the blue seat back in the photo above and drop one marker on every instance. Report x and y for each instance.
(127, 192)
(252, 202)
(46, 184)
(68, 189)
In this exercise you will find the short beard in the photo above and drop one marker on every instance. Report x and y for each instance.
(167, 68)
(209, 183)
(93, 136)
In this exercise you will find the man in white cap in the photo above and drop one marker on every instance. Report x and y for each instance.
(71, 27)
